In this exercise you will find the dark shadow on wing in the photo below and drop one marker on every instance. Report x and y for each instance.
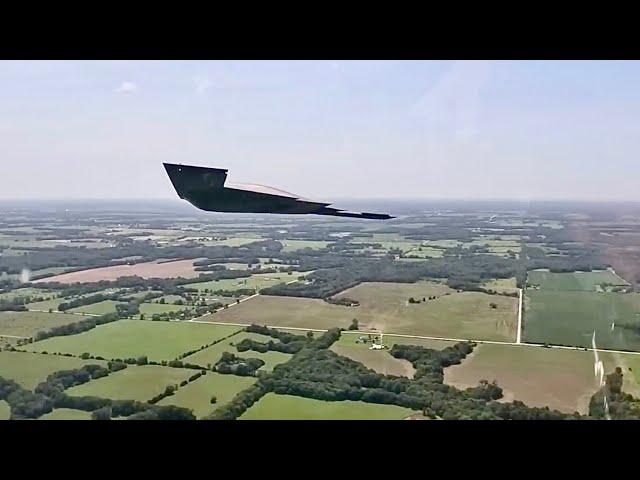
(342, 213)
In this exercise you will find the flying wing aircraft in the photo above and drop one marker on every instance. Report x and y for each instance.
(205, 188)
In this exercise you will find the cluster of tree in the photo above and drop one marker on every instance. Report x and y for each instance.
(461, 274)
(611, 402)
(87, 300)
(24, 403)
(234, 365)
(246, 292)
(284, 337)
(77, 327)
(131, 409)
(58, 382)
(344, 301)
(317, 372)
(263, 347)
(17, 303)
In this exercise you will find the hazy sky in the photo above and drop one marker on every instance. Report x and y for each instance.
(323, 129)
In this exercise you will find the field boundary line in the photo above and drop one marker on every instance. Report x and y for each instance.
(12, 336)
(425, 337)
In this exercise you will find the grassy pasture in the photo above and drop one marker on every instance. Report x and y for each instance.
(45, 305)
(197, 394)
(256, 281)
(379, 360)
(294, 245)
(99, 308)
(559, 378)
(502, 285)
(5, 410)
(25, 292)
(66, 414)
(133, 383)
(573, 281)
(27, 324)
(571, 317)
(151, 308)
(210, 355)
(134, 338)
(29, 369)
(287, 407)
(384, 306)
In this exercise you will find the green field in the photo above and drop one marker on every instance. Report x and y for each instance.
(29, 369)
(45, 305)
(5, 410)
(66, 414)
(27, 324)
(150, 308)
(256, 281)
(385, 307)
(293, 245)
(134, 338)
(232, 242)
(210, 355)
(570, 318)
(24, 292)
(139, 383)
(381, 360)
(502, 285)
(559, 378)
(287, 407)
(573, 281)
(100, 308)
(197, 394)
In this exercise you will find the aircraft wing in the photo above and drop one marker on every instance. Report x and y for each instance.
(207, 189)
(343, 213)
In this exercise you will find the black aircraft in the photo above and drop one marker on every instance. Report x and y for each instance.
(205, 189)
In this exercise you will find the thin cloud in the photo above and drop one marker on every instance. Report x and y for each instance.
(454, 103)
(202, 84)
(127, 87)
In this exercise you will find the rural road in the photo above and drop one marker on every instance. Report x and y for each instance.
(67, 313)
(518, 341)
(519, 334)
(236, 303)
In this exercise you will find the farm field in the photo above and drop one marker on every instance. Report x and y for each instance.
(287, 407)
(502, 285)
(5, 410)
(256, 281)
(573, 281)
(385, 307)
(45, 305)
(558, 378)
(196, 395)
(66, 414)
(27, 324)
(424, 252)
(178, 268)
(210, 355)
(294, 245)
(139, 383)
(29, 369)
(99, 308)
(571, 317)
(134, 338)
(380, 361)
(232, 242)
(151, 308)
